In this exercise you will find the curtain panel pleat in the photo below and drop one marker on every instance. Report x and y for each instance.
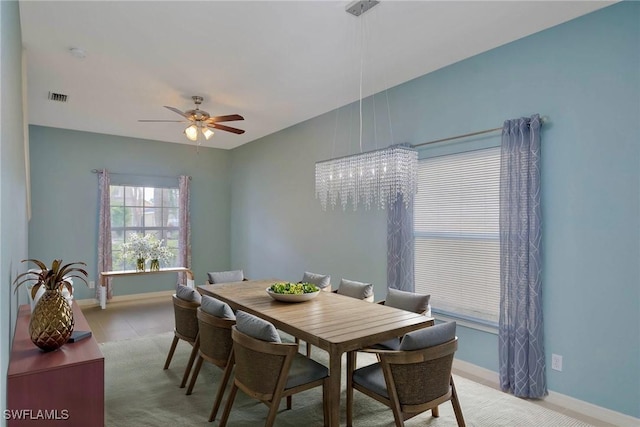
(184, 245)
(400, 246)
(520, 338)
(104, 230)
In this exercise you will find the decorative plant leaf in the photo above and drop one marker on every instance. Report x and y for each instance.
(34, 290)
(67, 285)
(51, 278)
(38, 263)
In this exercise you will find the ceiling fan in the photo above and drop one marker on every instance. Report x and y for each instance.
(201, 120)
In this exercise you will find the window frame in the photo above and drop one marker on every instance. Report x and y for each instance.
(161, 231)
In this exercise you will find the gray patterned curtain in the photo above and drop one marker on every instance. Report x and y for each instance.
(400, 249)
(521, 349)
(184, 245)
(104, 231)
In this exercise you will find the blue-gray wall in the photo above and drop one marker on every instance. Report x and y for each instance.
(585, 77)
(65, 201)
(13, 206)
(254, 207)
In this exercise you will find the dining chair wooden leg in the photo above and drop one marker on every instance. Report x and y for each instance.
(194, 375)
(174, 343)
(273, 411)
(457, 409)
(227, 407)
(289, 402)
(435, 412)
(221, 388)
(397, 415)
(192, 358)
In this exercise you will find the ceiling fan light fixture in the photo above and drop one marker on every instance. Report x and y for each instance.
(191, 132)
(199, 121)
(208, 133)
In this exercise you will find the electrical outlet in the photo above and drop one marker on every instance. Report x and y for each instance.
(92, 284)
(556, 362)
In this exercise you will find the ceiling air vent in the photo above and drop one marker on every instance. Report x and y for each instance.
(59, 97)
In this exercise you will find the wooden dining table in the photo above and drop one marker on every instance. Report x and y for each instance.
(330, 321)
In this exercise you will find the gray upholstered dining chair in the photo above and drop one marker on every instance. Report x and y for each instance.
(410, 301)
(404, 300)
(414, 379)
(215, 319)
(322, 281)
(355, 289)
(267, 369)
(186, 301)
(225, 276)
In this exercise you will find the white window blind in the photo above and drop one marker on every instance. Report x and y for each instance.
(457, 258)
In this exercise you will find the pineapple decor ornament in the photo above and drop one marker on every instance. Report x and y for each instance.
(51, 322)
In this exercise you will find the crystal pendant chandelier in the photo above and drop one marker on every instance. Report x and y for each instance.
(379, 178)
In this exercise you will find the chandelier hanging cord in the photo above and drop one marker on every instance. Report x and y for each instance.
(380, 177)
(385, 82)
(369, 36)
(361, 72)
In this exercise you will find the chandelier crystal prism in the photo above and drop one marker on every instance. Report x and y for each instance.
(379, 178)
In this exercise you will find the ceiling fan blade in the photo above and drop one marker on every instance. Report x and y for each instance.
(175, 110)
(229, 118)
(172, 121)
(225, 128)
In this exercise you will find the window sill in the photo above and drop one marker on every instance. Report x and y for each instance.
(484, 326)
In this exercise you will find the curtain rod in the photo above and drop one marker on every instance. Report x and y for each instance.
(458, 136)
(137, 174)
(451, 138)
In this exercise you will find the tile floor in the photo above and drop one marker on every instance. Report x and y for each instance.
(154, 315)
(130, 319)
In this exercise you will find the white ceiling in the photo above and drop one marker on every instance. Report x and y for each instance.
(275, 63)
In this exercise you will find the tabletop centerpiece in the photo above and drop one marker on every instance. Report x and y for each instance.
(292, 292)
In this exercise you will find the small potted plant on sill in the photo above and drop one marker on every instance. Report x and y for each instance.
(137, 248)
(51, 322)
(158, 252)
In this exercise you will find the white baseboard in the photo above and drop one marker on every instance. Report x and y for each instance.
(91, 302)
(466, 368)
(588, 409)
(593, 411)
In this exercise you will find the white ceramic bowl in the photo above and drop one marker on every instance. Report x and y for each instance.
(291, 297)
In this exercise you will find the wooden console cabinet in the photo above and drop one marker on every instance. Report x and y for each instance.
(64, 387)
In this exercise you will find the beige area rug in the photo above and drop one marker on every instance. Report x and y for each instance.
(138, 392)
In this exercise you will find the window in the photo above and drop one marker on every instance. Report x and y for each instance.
(143, 210)
(457, 246)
